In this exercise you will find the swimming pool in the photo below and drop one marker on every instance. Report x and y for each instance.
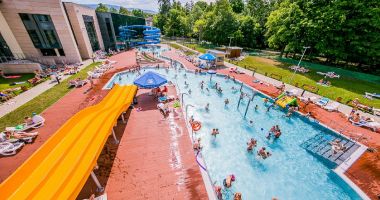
(290, 173)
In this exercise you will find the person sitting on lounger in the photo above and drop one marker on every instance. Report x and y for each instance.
(17, 135)
(28, 121)
(281, 88)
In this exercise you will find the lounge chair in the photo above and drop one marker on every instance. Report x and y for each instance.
(10, 149)
(322, 101)
(371, 95)
(332, 106)
(80, 83)
(94, 75)
(38, 121)
(24, 139)
(372, 125)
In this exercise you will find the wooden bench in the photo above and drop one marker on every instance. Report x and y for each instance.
(276, 76)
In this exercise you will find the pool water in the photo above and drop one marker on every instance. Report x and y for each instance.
(290, 173)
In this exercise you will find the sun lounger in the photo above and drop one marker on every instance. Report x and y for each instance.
(305, 99)
(372, 125)
(25, 139)
(94, 75)
(332, 106)
(10, 149)
(322, 101)
(38, 121)
(371, 95)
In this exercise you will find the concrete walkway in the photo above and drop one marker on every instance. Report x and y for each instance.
(24, 97)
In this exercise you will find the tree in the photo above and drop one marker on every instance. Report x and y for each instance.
(101, 8)
(113, 10)
(199, 26)
(124, 11)
(138, 13)
(237, 5)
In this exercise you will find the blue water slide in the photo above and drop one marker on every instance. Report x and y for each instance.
(151, 35)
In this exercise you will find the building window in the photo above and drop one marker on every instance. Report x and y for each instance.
(91, 32)
(5, 52)
(48, 52)
(42, 32)
(109, 30)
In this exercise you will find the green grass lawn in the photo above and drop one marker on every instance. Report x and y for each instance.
(42, 101)
(5, 82)
(197, 47)
(349, 86)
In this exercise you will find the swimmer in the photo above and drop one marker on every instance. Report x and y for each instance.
(227, 182)
(251, 144)
(197, 145)
(277, 134)
(218, 191)
(186, 84)
(237, 196)
(226, 102)
(266, 100)
(207, 107)
(207, 90)
(250, 122)
(263, 153)
(189, 91)
(216, 86)
(256, 107)
(185, 76)
(215, 132)
(220, 90)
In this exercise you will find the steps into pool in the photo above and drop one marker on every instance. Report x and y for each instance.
(320, 146)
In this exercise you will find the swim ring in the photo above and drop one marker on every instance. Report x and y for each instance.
(196, 126)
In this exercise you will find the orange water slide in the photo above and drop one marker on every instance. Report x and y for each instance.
(61, 166)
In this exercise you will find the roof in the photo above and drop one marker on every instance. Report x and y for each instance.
(234, 48)
(216, 52)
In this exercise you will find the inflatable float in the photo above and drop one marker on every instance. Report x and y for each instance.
(196, 125)
(284, 100)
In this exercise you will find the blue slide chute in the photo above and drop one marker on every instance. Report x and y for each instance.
(150, 35)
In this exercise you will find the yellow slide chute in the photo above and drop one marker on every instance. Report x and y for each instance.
(61, 166)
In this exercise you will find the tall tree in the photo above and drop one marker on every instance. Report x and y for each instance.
(138, 13)
(124, 11)
(237, 5)
(101, 8)
(113, 10)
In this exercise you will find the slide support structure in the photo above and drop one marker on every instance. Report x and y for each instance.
(100, 188)
(122, 117)
(114, 137)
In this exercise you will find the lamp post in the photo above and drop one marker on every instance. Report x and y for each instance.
(229, 45)
(295, 70)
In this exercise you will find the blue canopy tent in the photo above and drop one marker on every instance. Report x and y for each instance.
(208, 58)
(150, 80)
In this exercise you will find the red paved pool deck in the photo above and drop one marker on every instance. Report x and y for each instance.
(155, 159)
(365, 172)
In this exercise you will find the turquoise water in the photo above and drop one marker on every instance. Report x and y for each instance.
(290, 173)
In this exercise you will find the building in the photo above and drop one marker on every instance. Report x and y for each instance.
(219, 55)
(109, 24)
(85, 26)
(53, 32)
(149, 21)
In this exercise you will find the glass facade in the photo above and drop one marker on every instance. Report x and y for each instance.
(91, 32)
(5, 52)
(42, 32)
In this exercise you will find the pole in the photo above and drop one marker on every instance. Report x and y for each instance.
(100, 188)
(229, 45)
(246, 110)
(295, 70)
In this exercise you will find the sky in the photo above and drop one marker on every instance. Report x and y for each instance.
(141, 4)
